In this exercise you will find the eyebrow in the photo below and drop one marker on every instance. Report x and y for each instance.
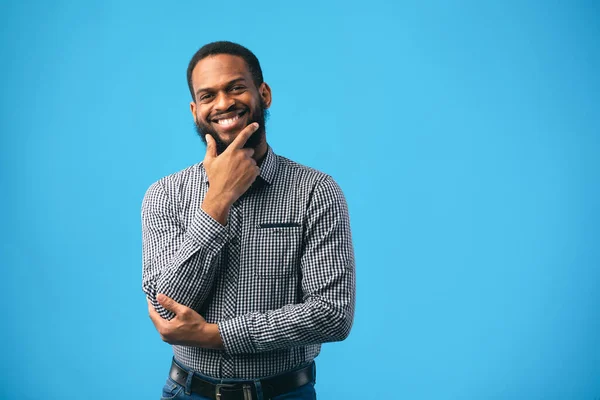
(228, 84)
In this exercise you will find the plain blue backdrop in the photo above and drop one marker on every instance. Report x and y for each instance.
(464, 134)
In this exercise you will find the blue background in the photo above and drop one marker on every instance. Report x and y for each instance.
(465, 137)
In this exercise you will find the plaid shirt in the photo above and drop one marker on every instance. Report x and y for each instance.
(278, 279)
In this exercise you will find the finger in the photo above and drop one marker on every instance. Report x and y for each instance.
(243, 136)
(211, 148)
(170, 304)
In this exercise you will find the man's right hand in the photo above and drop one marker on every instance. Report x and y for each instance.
(230, 173)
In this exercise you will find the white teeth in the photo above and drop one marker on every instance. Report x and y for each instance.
(228, 121)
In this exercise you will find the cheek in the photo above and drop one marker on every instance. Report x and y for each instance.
(249, 99)
(202, 115)
(253, 105)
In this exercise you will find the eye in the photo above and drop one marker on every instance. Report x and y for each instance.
(205, 97)
(237, 89)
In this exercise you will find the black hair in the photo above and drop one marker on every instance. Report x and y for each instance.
(224, 47)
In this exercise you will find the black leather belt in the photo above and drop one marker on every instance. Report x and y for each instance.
(271, 387)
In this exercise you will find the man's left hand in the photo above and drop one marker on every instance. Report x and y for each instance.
(187, 328)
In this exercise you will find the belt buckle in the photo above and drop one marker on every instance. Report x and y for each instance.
(219, 386)
(247, 389)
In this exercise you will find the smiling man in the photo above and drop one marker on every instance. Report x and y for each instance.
(248, 263)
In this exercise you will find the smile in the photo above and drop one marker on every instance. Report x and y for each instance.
(230, 120)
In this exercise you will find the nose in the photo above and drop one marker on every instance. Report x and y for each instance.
(223, 102)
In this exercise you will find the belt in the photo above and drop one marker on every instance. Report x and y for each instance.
(271, 387)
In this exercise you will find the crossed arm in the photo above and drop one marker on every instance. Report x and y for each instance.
(179, 269)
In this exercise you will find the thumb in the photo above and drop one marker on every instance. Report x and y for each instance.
(169, 304)
(211, 148)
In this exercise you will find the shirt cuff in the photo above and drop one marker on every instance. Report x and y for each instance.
(236, 336)
(207, 231)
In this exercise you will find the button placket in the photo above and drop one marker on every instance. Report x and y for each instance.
(231, 281)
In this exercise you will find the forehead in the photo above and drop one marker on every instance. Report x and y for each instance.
(219, 69)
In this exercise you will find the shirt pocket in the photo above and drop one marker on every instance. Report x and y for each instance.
(276, 250)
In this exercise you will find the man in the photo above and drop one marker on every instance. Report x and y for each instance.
(248, 263)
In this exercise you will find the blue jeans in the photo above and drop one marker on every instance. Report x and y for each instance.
(173, 390)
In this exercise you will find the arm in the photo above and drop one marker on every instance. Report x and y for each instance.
(177, 262)
(328, 286)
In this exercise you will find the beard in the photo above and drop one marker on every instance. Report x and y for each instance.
(259, 115)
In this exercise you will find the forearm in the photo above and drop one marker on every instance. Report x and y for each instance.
(319, 319)
(328, 287)
(178, 261)
(187, 278)
(190, 276)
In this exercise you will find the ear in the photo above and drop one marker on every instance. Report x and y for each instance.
(265, 92)
(193, 109)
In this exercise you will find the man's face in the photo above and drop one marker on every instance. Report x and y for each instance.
(227, 100)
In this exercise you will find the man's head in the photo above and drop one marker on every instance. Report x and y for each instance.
(228, 93)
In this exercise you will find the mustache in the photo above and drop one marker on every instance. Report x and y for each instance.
(230, 110)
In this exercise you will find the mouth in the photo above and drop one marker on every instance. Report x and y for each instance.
(230, 121)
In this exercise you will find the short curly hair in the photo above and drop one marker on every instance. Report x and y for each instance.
(224, 47)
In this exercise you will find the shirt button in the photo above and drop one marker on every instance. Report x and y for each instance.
(234, 241)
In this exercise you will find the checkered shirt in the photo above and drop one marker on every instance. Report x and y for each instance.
(278, 279)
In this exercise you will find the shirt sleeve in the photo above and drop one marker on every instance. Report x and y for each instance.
(177, 262)
(328, 286)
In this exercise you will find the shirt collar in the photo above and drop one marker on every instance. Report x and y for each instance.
(268, 167)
